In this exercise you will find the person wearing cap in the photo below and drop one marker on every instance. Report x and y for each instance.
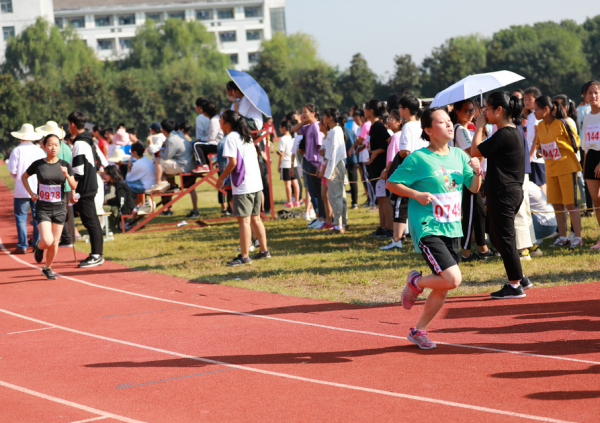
(20, 160)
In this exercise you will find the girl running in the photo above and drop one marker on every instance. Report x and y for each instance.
(51, 207)
(433, 179)
(556, 139)
(590, 136)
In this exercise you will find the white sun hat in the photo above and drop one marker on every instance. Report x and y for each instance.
(27, 133)
(51, 127)
(119, 156)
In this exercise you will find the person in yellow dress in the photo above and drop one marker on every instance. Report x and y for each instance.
(554, 142)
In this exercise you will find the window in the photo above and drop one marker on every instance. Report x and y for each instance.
(225, 14)
(77, 22)
(8, 32)
(253, 12)
(153, 17)
(227, 37)
(278, 19)
(177, 15)
(252, 57)
(105, 44)
(127, 20)
(125, 43)
(6, 6)
(58, 22)
(253, 35)
(234, 59)
(204, 15)
(103, 21)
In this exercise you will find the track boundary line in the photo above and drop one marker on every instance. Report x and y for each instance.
(278, 319)
(292, 377)
(23, 331)
(103, 414)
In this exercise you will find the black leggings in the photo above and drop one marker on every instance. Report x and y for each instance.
(86, 207)
(203, 150)
(502, 209)
(353, 178)
(473, 219)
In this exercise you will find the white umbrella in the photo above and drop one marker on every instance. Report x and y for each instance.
(474, 85)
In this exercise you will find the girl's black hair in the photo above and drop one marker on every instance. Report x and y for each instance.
(396, 115)
(291, 119)
(114, 172)
(359, 113)
(520, 91)
(44, 140)
(377, 106)
(565, 101)
(110, 130)
(411, 103)
(427, 120)
(511, 105)
(232, 86)
(337, 118)
(98, 128)
(312, 108)
(458, 106)
(544, 101)
(238, 123)
(210, 109)
(286, 124)
(587, 86)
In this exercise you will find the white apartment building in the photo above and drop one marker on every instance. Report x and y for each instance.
(15, 15)
(109, 25)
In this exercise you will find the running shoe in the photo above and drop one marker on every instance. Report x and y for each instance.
(392, 245)
(326, 226)
(561, 242)
(297, 204)
(526, 283)
(411, 290)
(167, 213)
(387, 235)
(378, 232)
(160, 187)
(373, 209)
(524, 254)
(288, 205)
(48, 273)
(535, 251)
(489, 254)
(596, 247)
(238, 261)
(265, 255)
(472, 258)
(354, 206)
(92, 261)
(225, 213)
(508, 291)
(251, 248)
(367, 204)
(193, 213)
(312, 214)
(571, 236)
(576, 242)
(38, 253)
(201, 169)
(420, 338)
(316, 223)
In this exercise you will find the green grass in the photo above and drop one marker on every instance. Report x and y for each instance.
(306, 263)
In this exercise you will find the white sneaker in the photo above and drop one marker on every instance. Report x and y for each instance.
(256, 243)
(571, 236)
(312, 214)
(576, 242)
(319, 225)
(312, 222)
(392, 245)
(305, 216)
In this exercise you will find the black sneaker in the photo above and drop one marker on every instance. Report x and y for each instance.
(264, 255)
(37, 253)
(388, 234)
(238, 261)
(92, 261)
(167, 213)
(473, 257)
(48, 274)
(354, 206)
(193, 213)
(508, 291)
(526, 283)
(489, 254)
(65, 244)
(225, 213)
(378, 232)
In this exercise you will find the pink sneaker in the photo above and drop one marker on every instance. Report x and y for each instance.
(326, 226)
(297, 204)
(411, 290)
(288, 205)
(420, 338)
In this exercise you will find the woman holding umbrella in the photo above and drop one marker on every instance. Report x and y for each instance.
(503, 184)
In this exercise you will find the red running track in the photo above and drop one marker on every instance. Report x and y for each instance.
(114, 344)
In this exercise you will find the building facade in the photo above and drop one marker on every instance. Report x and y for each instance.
(109, 25)
(15, 15)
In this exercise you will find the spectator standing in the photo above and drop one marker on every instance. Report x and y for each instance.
(351, 160)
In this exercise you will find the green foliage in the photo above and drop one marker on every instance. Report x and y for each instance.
(357, 84)
(12, 113)
(406, 78)
(591, 44)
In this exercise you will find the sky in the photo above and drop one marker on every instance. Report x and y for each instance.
(382, 29)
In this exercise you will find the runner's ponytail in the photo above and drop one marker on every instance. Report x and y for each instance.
(238, 123)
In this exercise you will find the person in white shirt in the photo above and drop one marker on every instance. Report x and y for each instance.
(410, 140)
(155, 143)
(241, 104)
(538, 166)
(20, 159)
(201, 120)
(214, 134)
(246, 184)
(141, 176)
(286, 163)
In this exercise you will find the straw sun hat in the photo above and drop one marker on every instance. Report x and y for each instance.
(27, 133)
(51, 127)
(119, 156)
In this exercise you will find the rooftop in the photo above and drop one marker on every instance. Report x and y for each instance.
(79, 4)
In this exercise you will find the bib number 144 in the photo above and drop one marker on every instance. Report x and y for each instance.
(446, 207)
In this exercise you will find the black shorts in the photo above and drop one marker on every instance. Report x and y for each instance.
(55, 213)
(440, 252)
(538, 173)
(592, 158)
(189, 180)
(400, 206)
(285, 175)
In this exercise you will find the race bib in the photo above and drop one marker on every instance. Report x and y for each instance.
(592, 135)
(368, 142)
(50, 193)
(446, 207)
(550, 151)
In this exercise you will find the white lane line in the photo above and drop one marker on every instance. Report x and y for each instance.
(23, 331)
(278, 319)
(103, 414)
(91, 420)
(300, 378)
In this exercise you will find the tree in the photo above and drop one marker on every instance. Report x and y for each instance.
(591, 44)
(358, 83)
(406, 78)
(12, 110)
(92, 93)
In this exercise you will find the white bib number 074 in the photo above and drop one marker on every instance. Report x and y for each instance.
(446, 207)
(50, 193)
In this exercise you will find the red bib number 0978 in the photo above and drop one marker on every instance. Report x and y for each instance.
(446, 207)
(50, 193)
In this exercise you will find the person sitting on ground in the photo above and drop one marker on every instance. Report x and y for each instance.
(118, 196)
(209, 144)
(141, 175)
(243, 106)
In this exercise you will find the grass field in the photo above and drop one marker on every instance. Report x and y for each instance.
(346, 268)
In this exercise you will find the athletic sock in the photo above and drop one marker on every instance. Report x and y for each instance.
(515, 286)
(95, 255)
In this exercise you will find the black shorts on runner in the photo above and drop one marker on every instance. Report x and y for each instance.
(57, 213)
(285, 175)
(440, 252)
(538, 173)
(400, 207)
(592, 158)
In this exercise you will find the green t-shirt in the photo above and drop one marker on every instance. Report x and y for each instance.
(442, 176)
(65, 153)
